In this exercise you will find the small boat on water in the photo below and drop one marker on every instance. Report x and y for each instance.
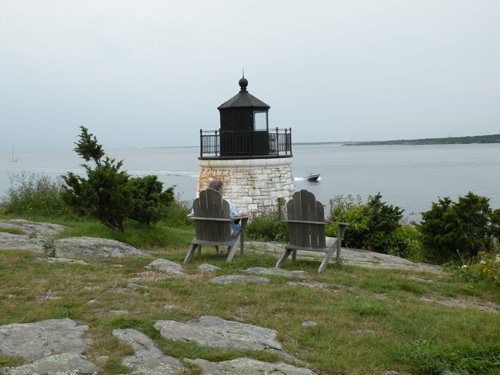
(312, 177)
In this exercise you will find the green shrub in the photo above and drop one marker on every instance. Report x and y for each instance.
(372, 225)
(34, 194)
(104, 194)
(457, 230)
(175, 213)
(108, 193)
(354, 212)
(148, 201)
(407, 243)
(495, 224)
(487, 267)
(269, 226)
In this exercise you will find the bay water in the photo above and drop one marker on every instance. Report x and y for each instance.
(411, 177)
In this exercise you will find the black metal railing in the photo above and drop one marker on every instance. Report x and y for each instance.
(217, 144)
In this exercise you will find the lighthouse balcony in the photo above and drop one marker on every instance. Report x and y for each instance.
(240, 144)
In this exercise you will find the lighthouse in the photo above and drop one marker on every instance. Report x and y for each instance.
(253, 159)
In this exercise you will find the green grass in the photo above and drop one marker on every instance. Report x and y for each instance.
(429, 357)
(11, 230)
(368, 321)
(135, 234)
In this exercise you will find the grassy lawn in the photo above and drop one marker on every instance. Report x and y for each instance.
(368, 321)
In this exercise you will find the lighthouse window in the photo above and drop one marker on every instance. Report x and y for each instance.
(260, 120)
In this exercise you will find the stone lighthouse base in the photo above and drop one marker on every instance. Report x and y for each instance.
(251, 184)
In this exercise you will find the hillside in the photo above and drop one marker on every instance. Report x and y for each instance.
(141, 310)
(494, 138)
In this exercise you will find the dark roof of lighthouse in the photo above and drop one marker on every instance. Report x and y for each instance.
(243, 99)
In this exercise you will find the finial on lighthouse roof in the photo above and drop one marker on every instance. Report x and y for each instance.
(243, 82)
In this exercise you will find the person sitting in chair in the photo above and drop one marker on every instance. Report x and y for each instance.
(218, 185)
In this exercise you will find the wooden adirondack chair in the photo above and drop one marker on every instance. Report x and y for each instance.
(306, 229)
(213, 224)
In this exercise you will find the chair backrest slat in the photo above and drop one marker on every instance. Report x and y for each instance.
(304, 207)
(211, 205)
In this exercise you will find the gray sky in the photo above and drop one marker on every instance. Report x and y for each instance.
(152, 73)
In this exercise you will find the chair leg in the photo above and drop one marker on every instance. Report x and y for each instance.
(294, 255)
(283, 257)
(230, 253)
(242, 243)
(328, 256)
(190, 252)
(340, 233)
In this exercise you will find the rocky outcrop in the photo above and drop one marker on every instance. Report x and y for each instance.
(215, 332)
(247, 366)
(277, 272)
(49, 347)
(32, 228)
(27, 235)
(205, 267)
(147, 358)
(168, 267)
(57, 364)
(90, 247)
(351, 257)
(240, 279)
(20, 234)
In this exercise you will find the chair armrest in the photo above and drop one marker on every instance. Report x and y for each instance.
(305, 222)
(209, 218)
(339, 223)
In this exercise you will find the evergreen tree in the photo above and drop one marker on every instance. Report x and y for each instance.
(108, 193)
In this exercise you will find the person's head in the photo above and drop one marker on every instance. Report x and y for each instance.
(217, 185)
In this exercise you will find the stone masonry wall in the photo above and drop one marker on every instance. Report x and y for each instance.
(253, 184)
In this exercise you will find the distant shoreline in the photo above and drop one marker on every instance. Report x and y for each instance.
(494, 138)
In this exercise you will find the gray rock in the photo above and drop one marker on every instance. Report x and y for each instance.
(311, 284)
(57, 364)
(171, 268)
(215, 332)
(90, 247)
(277, 272)
(488, 306)
(50, 347)
(247, 366)
(32, 228)
(148, 359)
(230, 279)
(352, 257)
(205, 267)
(10, 241)
(34, 235)
(309, 323)
(33, 341)
(119, 312)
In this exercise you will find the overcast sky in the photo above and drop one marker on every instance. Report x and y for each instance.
(153, 72)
